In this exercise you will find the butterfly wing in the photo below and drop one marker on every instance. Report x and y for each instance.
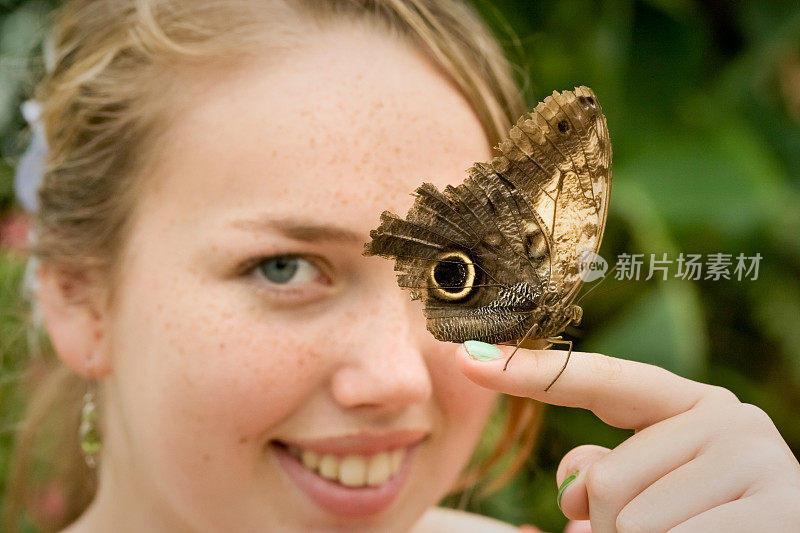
(485, 255)
(560, 155)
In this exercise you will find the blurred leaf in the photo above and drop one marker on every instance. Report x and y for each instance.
(23, 29)
(664, 327)
(6, 186)
(776, 306)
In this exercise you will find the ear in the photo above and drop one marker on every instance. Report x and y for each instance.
(75, 316)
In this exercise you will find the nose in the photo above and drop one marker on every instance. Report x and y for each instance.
(384, 366)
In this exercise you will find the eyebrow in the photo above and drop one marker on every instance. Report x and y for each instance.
(300, 230)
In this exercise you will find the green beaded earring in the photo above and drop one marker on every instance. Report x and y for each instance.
(88, 431)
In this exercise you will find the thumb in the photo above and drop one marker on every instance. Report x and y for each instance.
(573, 499)
(578, 526)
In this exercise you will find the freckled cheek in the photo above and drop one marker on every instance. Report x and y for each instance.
(464, 405)
(254, 382)
(216, 367)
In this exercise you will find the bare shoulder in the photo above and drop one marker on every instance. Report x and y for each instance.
(440, 519)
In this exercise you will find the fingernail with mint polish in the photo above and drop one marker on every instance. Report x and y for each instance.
(564, 484)
(482, 351)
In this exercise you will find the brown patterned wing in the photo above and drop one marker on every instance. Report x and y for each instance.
(560, 156)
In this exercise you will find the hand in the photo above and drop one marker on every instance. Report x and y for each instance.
(580, 526)
(699, 460)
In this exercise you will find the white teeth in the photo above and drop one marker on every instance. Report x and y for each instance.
(352, 470)
(329, 467)
(380, 468)
(310, 458)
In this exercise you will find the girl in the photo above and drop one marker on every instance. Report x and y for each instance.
(214, 170)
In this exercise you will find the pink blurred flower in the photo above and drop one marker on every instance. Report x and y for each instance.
(14, 232)
(50, 505)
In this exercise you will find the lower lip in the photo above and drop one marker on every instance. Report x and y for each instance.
(344, 501)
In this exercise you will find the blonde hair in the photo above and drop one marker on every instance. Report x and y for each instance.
(104, 101)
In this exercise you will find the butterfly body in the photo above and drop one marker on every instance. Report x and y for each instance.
(496, 258)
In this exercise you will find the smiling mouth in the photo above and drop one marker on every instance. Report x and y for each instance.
(349, 470)
(349, 484)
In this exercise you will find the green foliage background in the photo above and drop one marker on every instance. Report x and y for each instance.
(703, 105)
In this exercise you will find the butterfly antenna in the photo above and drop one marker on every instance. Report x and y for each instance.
(605, 276)
(527, 333)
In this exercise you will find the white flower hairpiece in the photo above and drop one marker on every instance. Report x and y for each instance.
(28, 177)
(30, 170)
(27, 180)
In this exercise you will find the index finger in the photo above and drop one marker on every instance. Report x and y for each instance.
(622, 393)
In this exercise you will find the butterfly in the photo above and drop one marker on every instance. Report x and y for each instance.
(497, 258)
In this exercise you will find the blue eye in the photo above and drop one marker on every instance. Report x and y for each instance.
(279, 269)
(283, 269)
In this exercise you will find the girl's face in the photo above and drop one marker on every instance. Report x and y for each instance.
(248, 327)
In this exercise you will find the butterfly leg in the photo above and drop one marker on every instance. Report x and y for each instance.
(559, 340)
(527, 334)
